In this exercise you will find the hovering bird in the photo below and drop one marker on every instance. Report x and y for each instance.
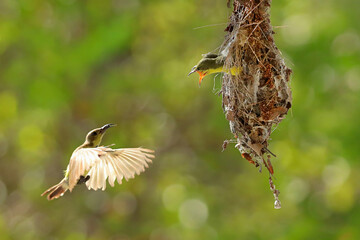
(93, 164)
(212, 63)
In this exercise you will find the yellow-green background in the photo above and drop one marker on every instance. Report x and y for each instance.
(68, 66)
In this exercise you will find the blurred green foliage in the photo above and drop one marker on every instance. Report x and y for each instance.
(69, 66)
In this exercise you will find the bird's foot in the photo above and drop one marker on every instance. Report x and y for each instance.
(83, 179)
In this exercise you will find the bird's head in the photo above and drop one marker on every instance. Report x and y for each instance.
(94, 137)
(210, 63)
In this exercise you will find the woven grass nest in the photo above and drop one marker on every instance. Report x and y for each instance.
(258, 98)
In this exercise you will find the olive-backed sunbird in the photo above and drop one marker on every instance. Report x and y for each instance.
(212, 63)
(93, 164)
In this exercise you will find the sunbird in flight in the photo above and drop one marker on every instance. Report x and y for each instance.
(93, 164)
(212, 63)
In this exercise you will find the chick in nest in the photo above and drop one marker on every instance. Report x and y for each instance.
(212, 63)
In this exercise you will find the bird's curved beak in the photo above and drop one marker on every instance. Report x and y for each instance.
(192, 70)
(107, 126)
(201, 74)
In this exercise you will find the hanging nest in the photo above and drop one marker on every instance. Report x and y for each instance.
(259, 97)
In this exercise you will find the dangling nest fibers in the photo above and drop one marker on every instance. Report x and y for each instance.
(258, 98)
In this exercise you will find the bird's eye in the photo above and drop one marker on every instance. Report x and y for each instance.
(94, 133)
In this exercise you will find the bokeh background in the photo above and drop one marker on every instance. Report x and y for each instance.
(69, 66)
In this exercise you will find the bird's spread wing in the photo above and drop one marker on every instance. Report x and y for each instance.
(105, 163)
(81, 162)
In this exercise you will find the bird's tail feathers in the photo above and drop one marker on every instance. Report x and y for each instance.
(57, 190)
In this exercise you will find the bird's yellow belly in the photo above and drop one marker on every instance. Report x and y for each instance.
(233, 71)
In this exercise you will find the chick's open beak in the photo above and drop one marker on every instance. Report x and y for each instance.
(106, 126)
(201, 76)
